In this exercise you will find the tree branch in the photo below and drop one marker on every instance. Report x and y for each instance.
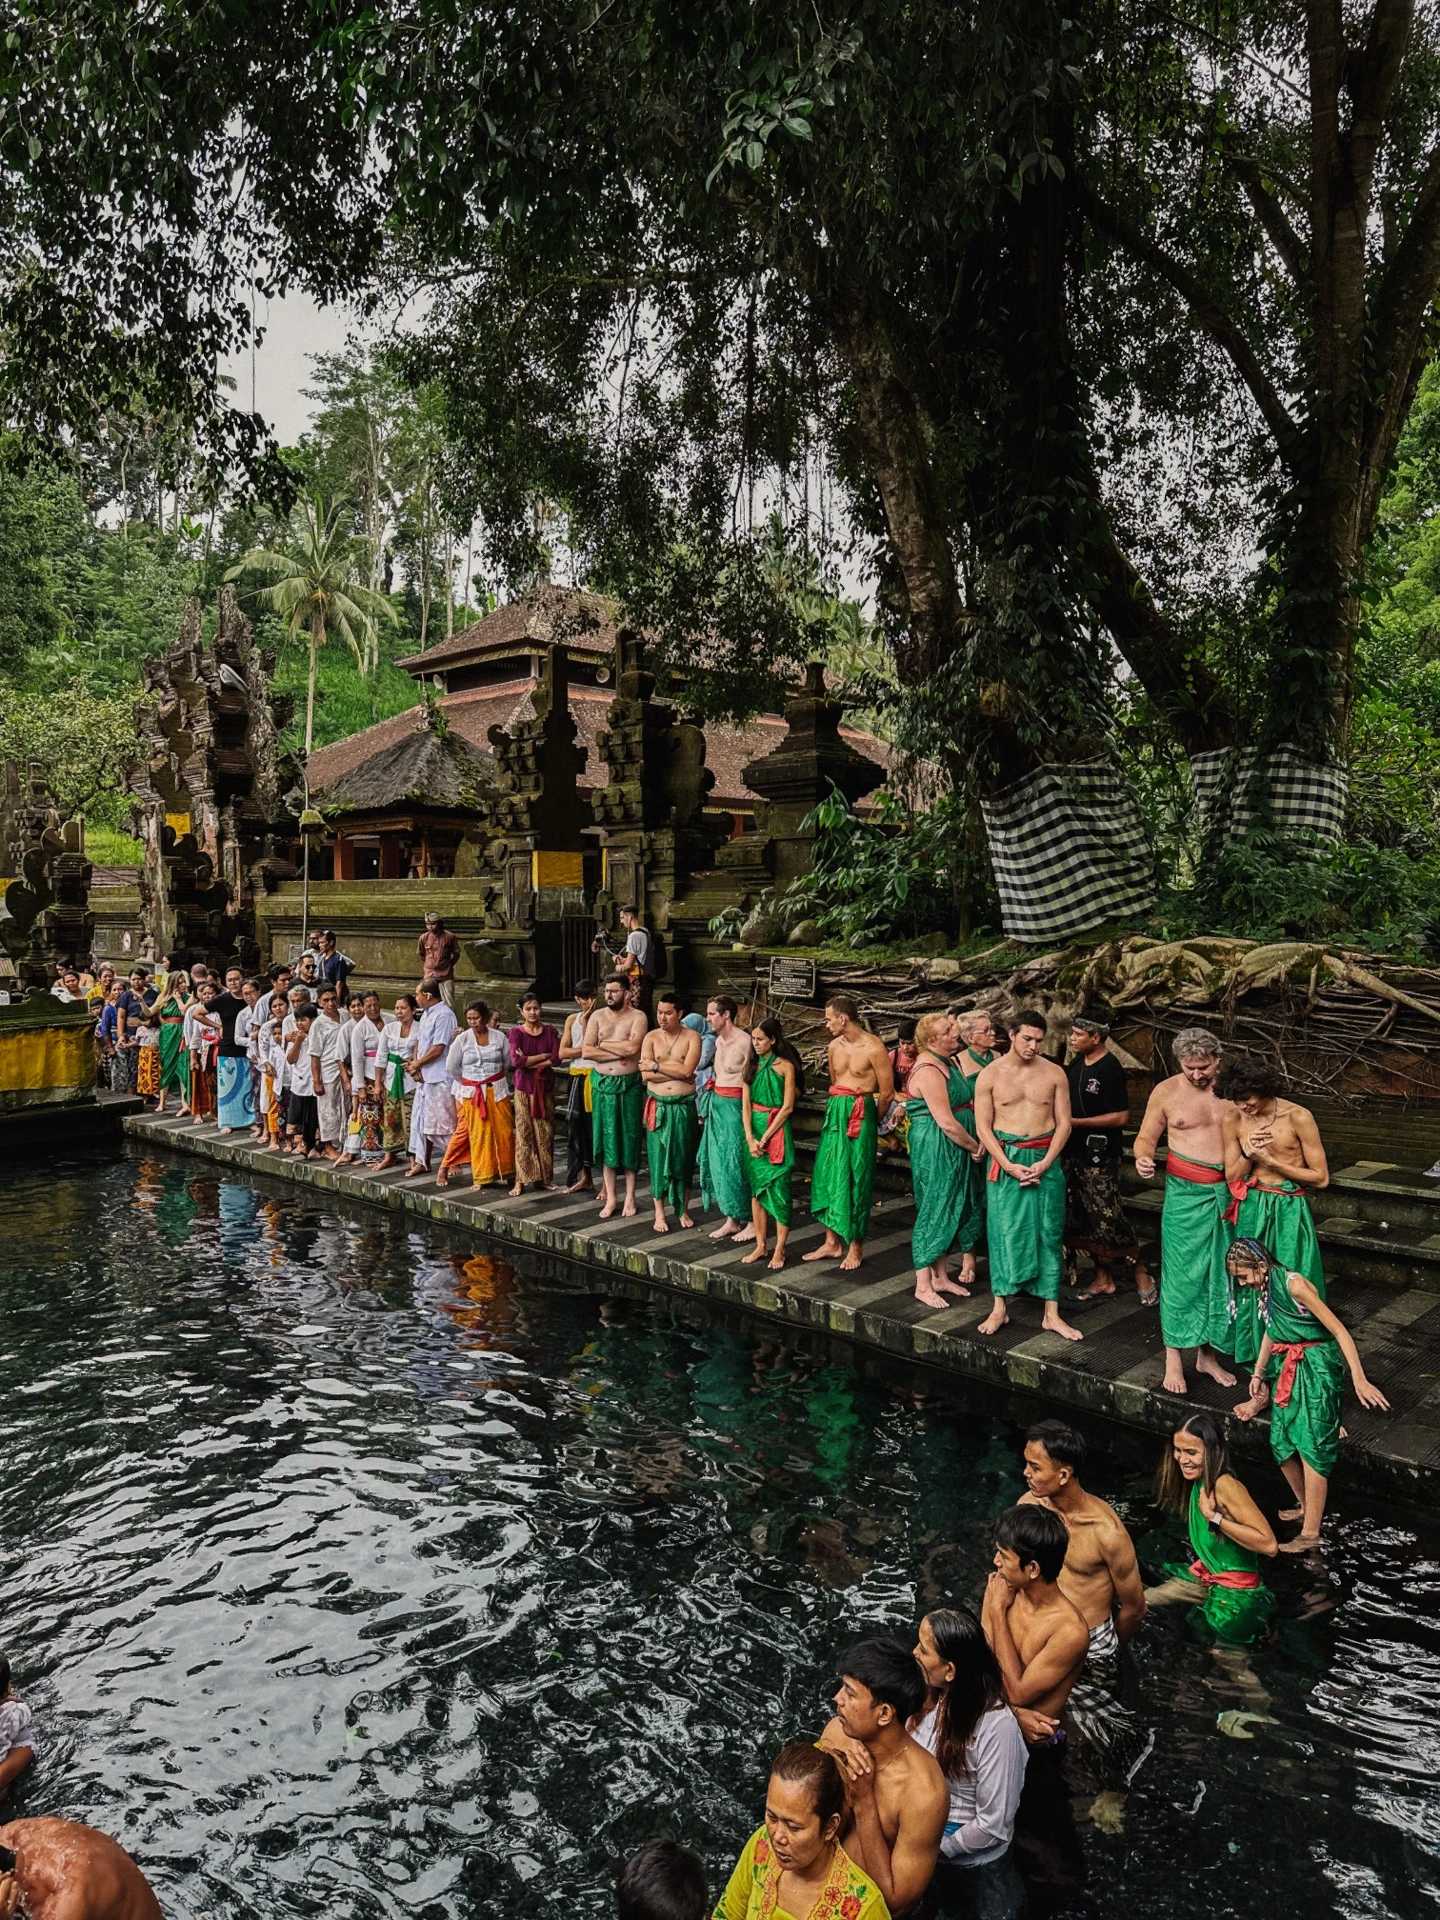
(1271, 215)
(1408, 286)
(1205, 310)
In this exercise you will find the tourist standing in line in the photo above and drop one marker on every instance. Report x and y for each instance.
(793, 1863)
(147, 1049)
(295, 1068)
(334, 966)
(776, 1082)
(329, 1066)
(439, 953)
(967, 1724)
(169, 1015)
(300, 1076)
(723, 1185)
(943, 1165)
(1022, 1115)
(1194, 1290)
(1099, 1113)
(484, 1132)
(399, 1086)
(579, 1161)
(661, 1881)
(1230, 1538)
(535, 1056)
(672, 1128)
(133, 1003)
(1101, 1575)
(255, 990)
(842, 1187)
(270, 1050)
(614, 1035)
(234, 1109)
(105, 1028)
(1273, 1159)
(705, 1065)
(433, 1115)
(1303, 1357)
(204, 1043)
(277, 999)
(367, 1043)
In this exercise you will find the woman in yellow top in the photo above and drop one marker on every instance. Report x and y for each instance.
(794, 1867)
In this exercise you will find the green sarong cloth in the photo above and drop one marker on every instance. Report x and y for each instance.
(1309, 1422)
(1025, 1226)
(174, 1061)
(1280, 1219)
(723, 1154)
(670, 1147)
(946, 1182)
(843, 1183)
(1194, 1287)
(616, 1124)
(1232, 1616)
(769, 1180)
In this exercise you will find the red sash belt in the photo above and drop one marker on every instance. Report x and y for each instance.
(1195, 1171)
(1230, 1577)
(1038, 1144)
(857, 1110)
(651, 1111)
(774, 1148)
(483, 1101)
(1294, 1353)
(727, 1093)
(172, 1019)
(1239, 1189)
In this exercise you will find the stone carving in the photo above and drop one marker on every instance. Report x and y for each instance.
(45, 916)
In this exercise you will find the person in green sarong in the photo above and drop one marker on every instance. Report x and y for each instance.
(614, 1036)
(776, 1082)
(944, 1172)
(723, 1153)
(169, 1013)
(1230, 1538)
(862, 1086)
(1022, 1114)
(668, 1060)
(1273, 1158)
(1303, 1357)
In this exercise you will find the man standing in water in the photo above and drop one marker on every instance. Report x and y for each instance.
(64, 1871)
(1022, 1114)
(614, 1035)
(1100, 1577)
(862, 1086)
(1036, 1632)
(667, 1066)
(1194, 1290)
(723, 1184)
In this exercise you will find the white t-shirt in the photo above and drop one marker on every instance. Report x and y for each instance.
(469, 1060)
(984, 1798)
(436, 1027)
(245, 1031)
(17, 1728)
(396, 1042)
(365, 1044)
(327, 1044)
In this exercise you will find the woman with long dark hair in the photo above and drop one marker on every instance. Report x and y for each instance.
(968, 1726)
(1230, 1537)
(774, 1081)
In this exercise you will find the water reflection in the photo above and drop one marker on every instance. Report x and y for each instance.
(353, 1571)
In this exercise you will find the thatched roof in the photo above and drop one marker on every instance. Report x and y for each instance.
(426, 768)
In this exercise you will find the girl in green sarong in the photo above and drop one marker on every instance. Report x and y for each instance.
(944, 1164)
(169, 1014)
(1230, 1539)
(775, 1082)
(1303, 1356)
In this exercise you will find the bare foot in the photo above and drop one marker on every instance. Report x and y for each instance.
(777, 1261)
(442, 1179)
(967, 1270)
(960, 1289)
(516, 1191)
(1213, 1370)
(607, 1212)
(854, 1254)
(384, 1164)
(1174, 1381)
(579, 1186)
(1247, 1409)
(828, 1251)
(745, 1233)
(754, 1258)
(1291, 1513)
(995, 1319)
(662, 1225)
(926, 1294)
(629, 1210)
(724, 1230)
(222, 1131)
(1302, 1543)
(1052, 1323)
(687, 1219)
(1097, 1290)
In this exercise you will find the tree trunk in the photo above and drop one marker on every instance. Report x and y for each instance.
(317, 641)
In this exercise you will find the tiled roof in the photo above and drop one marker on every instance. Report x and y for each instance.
(580, 618)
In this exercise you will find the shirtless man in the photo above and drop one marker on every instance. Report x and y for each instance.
(1273, 1158)
(672, 1129)
(64, 1871)
(1100, 1576)
(614, 1035)
(898, 1799)
(1194, 1290)
(1022, 1115)
(1036, 1632)
(862, 1086)
(723, 1147)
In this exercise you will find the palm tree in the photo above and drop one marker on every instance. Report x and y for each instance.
(319, 587)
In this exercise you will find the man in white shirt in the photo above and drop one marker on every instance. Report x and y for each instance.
(367, 1046)
(329, 1066)
(433, 1115)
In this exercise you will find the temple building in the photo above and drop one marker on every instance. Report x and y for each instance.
(398, 797)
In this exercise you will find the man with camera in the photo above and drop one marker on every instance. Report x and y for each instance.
(1100, 1110)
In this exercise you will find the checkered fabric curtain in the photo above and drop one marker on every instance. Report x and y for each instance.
(1068, 851)
(1240, 788)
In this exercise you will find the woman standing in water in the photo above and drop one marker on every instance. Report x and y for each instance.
(1303, 1356)
(944, 1164)
(793, 1866)
(967, 1724)
(776, 1081)
(1229, 1536)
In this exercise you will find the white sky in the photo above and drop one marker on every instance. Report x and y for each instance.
(294, 329)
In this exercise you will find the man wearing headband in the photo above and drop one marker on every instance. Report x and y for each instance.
(1099, 1109)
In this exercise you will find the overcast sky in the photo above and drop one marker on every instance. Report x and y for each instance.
(294, 329)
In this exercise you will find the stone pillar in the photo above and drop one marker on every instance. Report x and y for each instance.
(46, 916)
(812, 760)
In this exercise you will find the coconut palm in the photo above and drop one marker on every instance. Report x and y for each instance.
(319, 588)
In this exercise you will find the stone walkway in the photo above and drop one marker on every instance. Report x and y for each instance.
(1115, 1372)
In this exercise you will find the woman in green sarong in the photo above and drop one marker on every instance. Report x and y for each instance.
(776, 1081)
(169, 1013)
(1303, 1357)
(1230, 1538)
(944, 1164)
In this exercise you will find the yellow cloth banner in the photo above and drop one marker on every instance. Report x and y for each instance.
(178, 823)
(557, 869)
(50, 1060)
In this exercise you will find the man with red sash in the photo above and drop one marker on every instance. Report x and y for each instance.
(1194, 1289)
(862, 1086)
(668, 1059)
(1022, 1115)
(723, 1148)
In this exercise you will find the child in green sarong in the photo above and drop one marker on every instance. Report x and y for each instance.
(777, 1079)
(1230, 1538)
(1303, 1356)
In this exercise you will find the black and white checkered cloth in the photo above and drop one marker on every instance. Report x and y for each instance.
(1068, 850)
(1240, 788)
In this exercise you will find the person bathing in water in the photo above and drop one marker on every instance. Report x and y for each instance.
(1230, 1538)
(1101, 1576)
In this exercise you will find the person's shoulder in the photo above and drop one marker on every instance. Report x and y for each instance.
(925, 1771)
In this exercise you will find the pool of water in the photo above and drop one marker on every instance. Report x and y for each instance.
(351, 1572)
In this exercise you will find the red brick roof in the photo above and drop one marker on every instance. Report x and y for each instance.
(580, 618)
